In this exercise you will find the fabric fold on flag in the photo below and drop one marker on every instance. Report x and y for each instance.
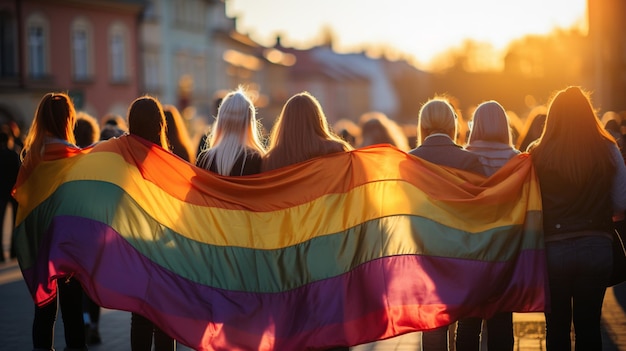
(343, 249)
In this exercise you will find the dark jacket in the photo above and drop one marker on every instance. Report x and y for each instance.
(441, 150)
(568, 208)
(250, 164)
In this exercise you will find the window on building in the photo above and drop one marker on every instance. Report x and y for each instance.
(8, 50)
(151, 72)
(36, 42)
(81, 49)
(118, 53)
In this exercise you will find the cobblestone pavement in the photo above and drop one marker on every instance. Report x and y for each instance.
(16, 311)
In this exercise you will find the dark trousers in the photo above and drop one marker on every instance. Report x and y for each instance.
(69, 295)
(499, 333)
(435, 339)
(578, 273)
(92, 309)
(141, 332)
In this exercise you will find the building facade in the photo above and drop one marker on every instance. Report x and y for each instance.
(607, 37)
(87, 48)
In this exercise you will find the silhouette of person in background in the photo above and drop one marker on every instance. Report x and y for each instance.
(348, 131)
(114, 127)
(86, 130)
(203, 141)
(377, 128)
(532, 128)
(9, 167)
(177, 134)
(611, 121)
(112, 119)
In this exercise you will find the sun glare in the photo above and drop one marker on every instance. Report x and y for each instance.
(419, 29)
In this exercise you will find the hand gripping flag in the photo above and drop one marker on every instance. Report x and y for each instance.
(343, 249)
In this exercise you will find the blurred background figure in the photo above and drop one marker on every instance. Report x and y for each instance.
(178, 135)
(377, 128)
(113, 119)
(86, 129)
(9, 167)
(113, 126)
(203, 144)
(612, 121)
(348, 131)
(533, 127)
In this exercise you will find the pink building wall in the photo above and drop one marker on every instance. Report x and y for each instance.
(100, 93)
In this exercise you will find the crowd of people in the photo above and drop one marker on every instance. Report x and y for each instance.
(577, 157)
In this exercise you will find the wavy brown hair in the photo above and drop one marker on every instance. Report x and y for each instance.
(300, 133)
(574, 144)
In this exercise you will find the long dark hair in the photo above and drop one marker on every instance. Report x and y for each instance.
(147, 120)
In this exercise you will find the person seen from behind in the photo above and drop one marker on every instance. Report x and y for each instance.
(583, 184)
(146, 119)
(437, 128)
(52, 129)
(9, 167)
(301, 133)
(234, 144)
(490, 139)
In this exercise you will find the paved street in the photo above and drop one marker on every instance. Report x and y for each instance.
(16, 311)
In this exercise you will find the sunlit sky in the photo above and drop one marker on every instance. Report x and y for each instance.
(422, 29)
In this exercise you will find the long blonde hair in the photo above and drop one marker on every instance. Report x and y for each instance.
(55, 117)
(235, 132)
(574, 144)
(301, 132)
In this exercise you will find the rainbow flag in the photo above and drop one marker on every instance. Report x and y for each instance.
(340, 250)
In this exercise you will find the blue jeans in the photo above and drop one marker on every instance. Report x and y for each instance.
(578, 273)
(499, 333)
